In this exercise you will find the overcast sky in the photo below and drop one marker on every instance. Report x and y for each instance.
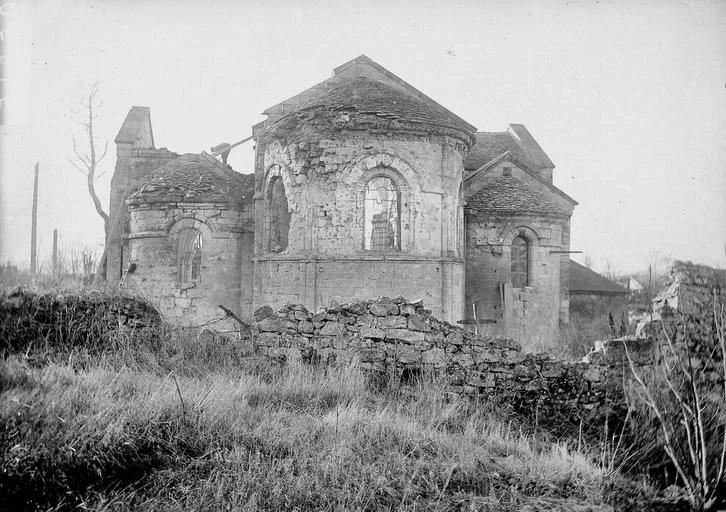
(627, 98)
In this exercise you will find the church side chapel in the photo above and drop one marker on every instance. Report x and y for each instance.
(363, 186)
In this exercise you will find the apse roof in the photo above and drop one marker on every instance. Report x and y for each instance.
(196, 178)
(364, 95)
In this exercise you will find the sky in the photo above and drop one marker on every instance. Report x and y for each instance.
(627, 98)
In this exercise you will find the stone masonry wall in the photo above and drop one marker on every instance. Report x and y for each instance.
(226, 268)
(531, 315)
(397, 337)
(324, 175)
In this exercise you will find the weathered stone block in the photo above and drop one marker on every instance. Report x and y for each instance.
(463, 360)
(405, 335)
(379, 309)
(407, 309)
(406, 354)
(371, 332)
(262, 313)
(435, 356)
(300, 315)
(435, 337)
(454, 338)
(371, 354)
(391, 322)
(419, 322)
(366, 320)
(305, 327)
(332, 329)
(277, 324)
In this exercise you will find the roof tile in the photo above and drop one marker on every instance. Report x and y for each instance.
(194, 178)
(507, 194)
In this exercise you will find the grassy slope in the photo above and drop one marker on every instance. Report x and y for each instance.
(115, 437)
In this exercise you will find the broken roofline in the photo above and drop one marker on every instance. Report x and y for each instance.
(279, 108)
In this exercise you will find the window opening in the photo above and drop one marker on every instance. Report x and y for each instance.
(382, 219)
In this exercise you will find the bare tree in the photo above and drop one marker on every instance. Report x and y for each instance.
(87, 159)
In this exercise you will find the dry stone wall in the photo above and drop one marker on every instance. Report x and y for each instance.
(399, 338)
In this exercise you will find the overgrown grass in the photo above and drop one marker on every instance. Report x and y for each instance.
(191, 422)
(311, 439)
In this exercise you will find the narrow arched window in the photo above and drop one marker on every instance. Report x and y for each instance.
(190, 256)
(382, 216)
(520, 262)
(278, 216)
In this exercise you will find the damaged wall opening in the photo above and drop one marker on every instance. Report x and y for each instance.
(520, 262)
(278, 216)
(382, 216)
(190, 256)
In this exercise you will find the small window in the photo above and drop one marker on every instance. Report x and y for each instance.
(520, 262)
(382, 219)
(190, 256)
(278, 216)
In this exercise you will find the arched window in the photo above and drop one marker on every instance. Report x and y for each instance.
(278, 216)
(190, 256)
(382, 216)
(520, 262)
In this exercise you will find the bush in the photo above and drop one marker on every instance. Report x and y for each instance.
(680, 404)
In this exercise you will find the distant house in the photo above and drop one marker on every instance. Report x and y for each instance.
(593, 296)
(633, 285)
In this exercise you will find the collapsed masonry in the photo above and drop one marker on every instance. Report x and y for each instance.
(401, 338)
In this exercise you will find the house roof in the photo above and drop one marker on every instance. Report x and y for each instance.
(367, 96)
(194, 178)
(363, 67)
(516, 140)
(507, 194)
(132, 125)
(585, 281)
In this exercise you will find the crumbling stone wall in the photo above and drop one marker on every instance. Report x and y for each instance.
(532, 314)
(226, 267)
(324, 165)
(398, 337)
(134, 167)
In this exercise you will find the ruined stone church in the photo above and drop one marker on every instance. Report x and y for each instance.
(363, 186)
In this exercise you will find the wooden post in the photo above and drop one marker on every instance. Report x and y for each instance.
(34, 226)
(55, 252)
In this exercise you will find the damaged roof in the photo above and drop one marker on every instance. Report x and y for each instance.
(507, 194)
(585, 281)
(363, 95)
(517, 140)
(196, 178)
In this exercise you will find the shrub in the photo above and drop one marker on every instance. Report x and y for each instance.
(681, 403)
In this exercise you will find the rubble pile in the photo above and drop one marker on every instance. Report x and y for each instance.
(399, 337)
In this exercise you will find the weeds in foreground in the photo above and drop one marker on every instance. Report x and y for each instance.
(308, 438)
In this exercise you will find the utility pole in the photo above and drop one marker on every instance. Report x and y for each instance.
(55, 252)
(34, 227)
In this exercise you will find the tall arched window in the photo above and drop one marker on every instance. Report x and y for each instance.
(190, 256)
(278, 216)
(520, 262)
(382, 216)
